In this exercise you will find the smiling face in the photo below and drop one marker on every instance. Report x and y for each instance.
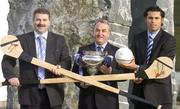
(154, 21)
(41, 22)
(101, 33)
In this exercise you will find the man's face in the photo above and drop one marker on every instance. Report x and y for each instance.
(101, 33)
(41, 23)
(154, 21)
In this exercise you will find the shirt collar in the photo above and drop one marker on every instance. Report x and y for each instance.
(44, 35)
(103, 45)
(152, 34)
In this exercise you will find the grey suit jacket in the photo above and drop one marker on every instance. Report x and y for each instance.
(156, 91)
(56, 53)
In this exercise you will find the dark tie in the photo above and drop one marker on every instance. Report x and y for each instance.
(99, 48)
(149, 49)
(41, 55)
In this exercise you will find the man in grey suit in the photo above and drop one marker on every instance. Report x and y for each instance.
(44, 45)
(146, 47)
(91, 97)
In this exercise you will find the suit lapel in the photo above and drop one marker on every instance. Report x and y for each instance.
(156, 40)
(50, 46)
(143, 46)
(31, 47)
(108, 49)
(30, 40)
(92, 47)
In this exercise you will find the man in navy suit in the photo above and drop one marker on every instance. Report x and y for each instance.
(146, 47)
(91, 97)
(54, 50)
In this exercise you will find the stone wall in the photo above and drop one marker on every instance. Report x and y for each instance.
(75, 20)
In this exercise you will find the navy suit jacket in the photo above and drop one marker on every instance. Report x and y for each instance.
(57, 53)
(93, 97)
(157, 91)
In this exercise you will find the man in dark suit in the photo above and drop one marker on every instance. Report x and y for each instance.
(91, 97)
(146, 47)
(51, 48)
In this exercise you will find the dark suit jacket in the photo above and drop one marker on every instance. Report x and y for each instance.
(92, 97)
(57, 53)
(156, 91)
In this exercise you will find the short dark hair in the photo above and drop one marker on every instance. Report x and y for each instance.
(41, 11)
(154, 8)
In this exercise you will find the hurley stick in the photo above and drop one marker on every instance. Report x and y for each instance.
(14, 50)
(159, 69)
(156, 69)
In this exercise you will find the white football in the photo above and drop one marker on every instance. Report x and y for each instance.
(124, 55)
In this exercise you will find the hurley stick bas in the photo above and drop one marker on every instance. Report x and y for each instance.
(160, 68)
(11, 47)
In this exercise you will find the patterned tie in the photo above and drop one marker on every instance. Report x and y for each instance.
(41, 55)
(99, 48)
(149, 49)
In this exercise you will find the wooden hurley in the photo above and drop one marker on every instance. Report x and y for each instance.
(12, 47)
(108, 77)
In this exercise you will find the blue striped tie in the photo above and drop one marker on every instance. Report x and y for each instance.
(41, 55)
(149, 49)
